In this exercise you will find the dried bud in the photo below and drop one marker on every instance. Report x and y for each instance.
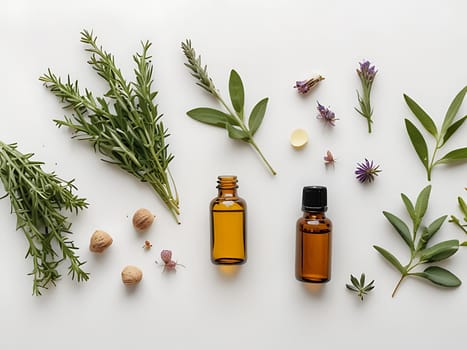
(100, 240)
(131, 275)
(142, 219)
(166, 256)
(170, 266)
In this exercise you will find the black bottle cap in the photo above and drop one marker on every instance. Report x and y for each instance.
(314, 198)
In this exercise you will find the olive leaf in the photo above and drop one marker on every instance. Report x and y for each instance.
(421, 255)
(210, 116)
(257, 115)
(441, 136)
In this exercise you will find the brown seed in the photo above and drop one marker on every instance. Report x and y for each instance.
(143, 219)
(100, 240)
(131, 275)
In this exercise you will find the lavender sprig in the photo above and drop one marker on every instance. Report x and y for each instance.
(367, 74)
(326, 115)
(304, 86)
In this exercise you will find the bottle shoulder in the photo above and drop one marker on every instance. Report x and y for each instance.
(229, 203)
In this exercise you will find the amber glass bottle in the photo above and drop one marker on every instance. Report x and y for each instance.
(313, 241)
(228, 234)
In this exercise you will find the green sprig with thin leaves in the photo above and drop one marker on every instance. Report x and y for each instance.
(124, 124)
(456, 221)
(441, 135)
(233, 120)
(420, 253)
(39, 199)
(358, 286)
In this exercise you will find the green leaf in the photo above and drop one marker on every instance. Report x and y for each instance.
(454, 156)
(391, 259)
(452, 129)
(463, 244)
(430, 231)
(422, 203)
(209, 116)
(422, 116)
(257, 115)
(440, 276)
(401, 228)
(237, 93)
(440, 251)
(409, 206)
(452, 111)
(418, 142)
(236, 133)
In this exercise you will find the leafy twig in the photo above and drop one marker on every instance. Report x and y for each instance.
(419, 252)
(441, 135)
(124, 125)
(456, 221)
(38, 200)
(234, 119)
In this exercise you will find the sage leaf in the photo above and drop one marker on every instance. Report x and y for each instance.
(430, 231)
(440, 251)
(452, 129)
(237, 134)
(422, 116)
(454, 156)
(209, 116)
(418, 142)
(401, 228)
(440, 276)
(452, 110)
(237, 92)
(391, 259)
(409, 206)
(422, 203)
(257, 115)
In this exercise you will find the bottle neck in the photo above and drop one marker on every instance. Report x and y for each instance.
(227, 187)
(314, 214)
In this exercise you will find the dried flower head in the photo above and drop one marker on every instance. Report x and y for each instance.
(366, 171)
(169, 264)
(329, 158)
(147, 244)
(326, 114)
(367, 72)
(304, 86)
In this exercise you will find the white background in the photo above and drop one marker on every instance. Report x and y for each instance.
(418, 47)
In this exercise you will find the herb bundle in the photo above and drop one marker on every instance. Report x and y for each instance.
(38, 200)
(441, 136)
(124, 125)
(420, 254)
(234, 120)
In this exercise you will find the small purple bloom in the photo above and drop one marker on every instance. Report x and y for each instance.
(304, 86)
(326, 114)
(367, 71)
(366, 171)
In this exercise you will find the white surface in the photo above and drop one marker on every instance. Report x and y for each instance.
(418, 47)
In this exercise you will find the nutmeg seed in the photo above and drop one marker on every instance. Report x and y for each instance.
(100, 240)
(131, 275)
(143, 219)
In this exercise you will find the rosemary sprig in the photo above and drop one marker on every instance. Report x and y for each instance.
(234, 120)
(358, 286)
(38, 199)
(124, 124)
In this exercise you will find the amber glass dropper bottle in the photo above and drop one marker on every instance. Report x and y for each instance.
(228, 224)
(313, 238)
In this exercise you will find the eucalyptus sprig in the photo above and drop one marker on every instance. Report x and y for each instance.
(39, 199)
(358, 286)
(441, 136)
(124, 124)
(233, 120)
(417, 243)
(456, 221)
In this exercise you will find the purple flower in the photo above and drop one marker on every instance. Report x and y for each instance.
(367, 72)
(304, 86)
(326, 114)
(366, 171)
